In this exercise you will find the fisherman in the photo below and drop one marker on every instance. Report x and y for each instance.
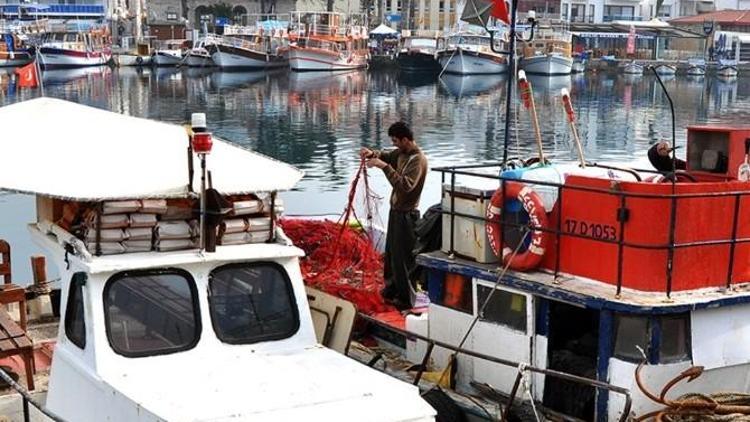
(660, 157)
(405, 168)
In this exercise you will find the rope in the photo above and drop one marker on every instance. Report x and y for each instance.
(690, 407)
(527, 389)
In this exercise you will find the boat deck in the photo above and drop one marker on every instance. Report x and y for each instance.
(589, 293)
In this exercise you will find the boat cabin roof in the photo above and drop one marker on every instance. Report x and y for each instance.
(75, 152)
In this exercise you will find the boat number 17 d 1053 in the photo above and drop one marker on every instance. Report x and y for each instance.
(595, 230)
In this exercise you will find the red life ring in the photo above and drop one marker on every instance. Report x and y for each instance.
(532, 204)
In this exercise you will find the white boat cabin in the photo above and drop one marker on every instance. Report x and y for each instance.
(154, 328)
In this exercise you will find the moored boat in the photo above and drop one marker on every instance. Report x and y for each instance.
(199, 56)
(418, 52)
(143, 300)
(327, 41)
(72, 49)
(264, 45)
(470, 53)
(550, 52)
(633, 68)
(666, 69)
(727, 68)
(696, 67)
(169, 53)
(13, 52)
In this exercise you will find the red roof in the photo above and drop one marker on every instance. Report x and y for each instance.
(721, 17)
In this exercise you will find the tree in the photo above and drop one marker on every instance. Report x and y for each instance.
(222, 10)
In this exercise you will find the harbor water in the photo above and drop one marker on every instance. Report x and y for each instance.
(318, 121)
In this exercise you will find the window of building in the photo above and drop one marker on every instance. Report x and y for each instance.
(504, 308)
(75, 323)
(171, 16)
(618, 12)
(663, 339)
(151, 312)
(592, 12)
(665, 11)
(252, 302)
(578, 13)
(564, 10)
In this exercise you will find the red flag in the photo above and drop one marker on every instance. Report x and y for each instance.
(500, 11)
(27, 76)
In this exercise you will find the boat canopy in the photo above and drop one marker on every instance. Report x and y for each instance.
(65, 150)
(383, 29)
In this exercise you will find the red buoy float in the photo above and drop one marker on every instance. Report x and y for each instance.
(532, 204)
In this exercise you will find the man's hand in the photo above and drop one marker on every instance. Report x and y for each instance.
(365, 153)
(376, 162)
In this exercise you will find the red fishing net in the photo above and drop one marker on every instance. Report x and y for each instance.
(341, 258)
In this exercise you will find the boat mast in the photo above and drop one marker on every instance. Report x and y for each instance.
(138, 29)
(511, 76)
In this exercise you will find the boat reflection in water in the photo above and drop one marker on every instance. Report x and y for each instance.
(63, 76)
(318, 97)
(226, 80)
(416, 79)
(198, 72)
(469, 85)
(167, 72)
(631, 78)
(549, 85)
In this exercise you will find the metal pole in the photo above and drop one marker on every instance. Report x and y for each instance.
(203, 203)
(511, 76)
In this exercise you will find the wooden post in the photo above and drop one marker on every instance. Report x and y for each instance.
(39, 268)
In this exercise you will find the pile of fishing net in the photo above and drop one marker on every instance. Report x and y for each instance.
(341, 259)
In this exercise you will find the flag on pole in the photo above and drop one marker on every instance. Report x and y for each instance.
(500, 11)
(27, 76)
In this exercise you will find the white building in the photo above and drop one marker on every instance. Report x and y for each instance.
(599, 11)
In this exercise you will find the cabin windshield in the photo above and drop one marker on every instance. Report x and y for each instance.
(151, 312)
(252, 302)
(421, 43)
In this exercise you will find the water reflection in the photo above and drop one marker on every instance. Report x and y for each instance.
(469, 85)
(318, 121)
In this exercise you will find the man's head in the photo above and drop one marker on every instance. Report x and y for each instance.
(401, 136)
(663, 149)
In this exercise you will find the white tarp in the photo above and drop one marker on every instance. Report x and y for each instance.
(66, 150)
(383, 29)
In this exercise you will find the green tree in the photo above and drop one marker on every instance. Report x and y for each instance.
(222, 10)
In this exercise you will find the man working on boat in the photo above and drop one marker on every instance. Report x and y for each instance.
(660, 158)
(406, 169)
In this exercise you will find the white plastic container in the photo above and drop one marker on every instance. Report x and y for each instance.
(470, 238)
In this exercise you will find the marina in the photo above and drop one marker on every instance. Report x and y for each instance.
(564, 239)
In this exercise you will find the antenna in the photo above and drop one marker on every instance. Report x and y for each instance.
(674, 135)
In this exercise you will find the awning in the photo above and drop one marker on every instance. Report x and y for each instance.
(66, 150)
(609, 35)
(383, 29)
(644, 30)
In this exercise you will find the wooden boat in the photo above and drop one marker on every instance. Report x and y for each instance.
(468, 53)
(328, 41)
(13, 53)
(633, 68)
(262, 45)
(156, 327)
(727, 68)
(550, 53)
(418, 52)
(666, 69)
(74, 49)
(696, 67)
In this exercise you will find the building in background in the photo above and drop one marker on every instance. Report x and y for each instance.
(54, 9)
(600, 11)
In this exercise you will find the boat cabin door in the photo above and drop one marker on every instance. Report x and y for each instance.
(504, 330)
(573, 344)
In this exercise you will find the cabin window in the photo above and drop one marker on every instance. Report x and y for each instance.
(151, 312)
(75, 324)
(504, 308)
(675, 338)
(632, 332)
(252, 302)
(664, 339)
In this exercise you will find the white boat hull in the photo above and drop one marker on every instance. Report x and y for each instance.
(193, 60)
(469, 63)
(133, 60)
(632, 69)
(58, 58)
(547, 65)
(162, 58)
(15, 58)
(666, 70)
(696, 71)
(727, 72)
(317, 59)
(235, 61)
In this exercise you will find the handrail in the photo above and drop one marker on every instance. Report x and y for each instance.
(431, 343)
(671, 245)
(26, 397)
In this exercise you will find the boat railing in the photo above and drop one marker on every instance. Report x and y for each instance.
(522, 368)
(26, 399)
(621, 236)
